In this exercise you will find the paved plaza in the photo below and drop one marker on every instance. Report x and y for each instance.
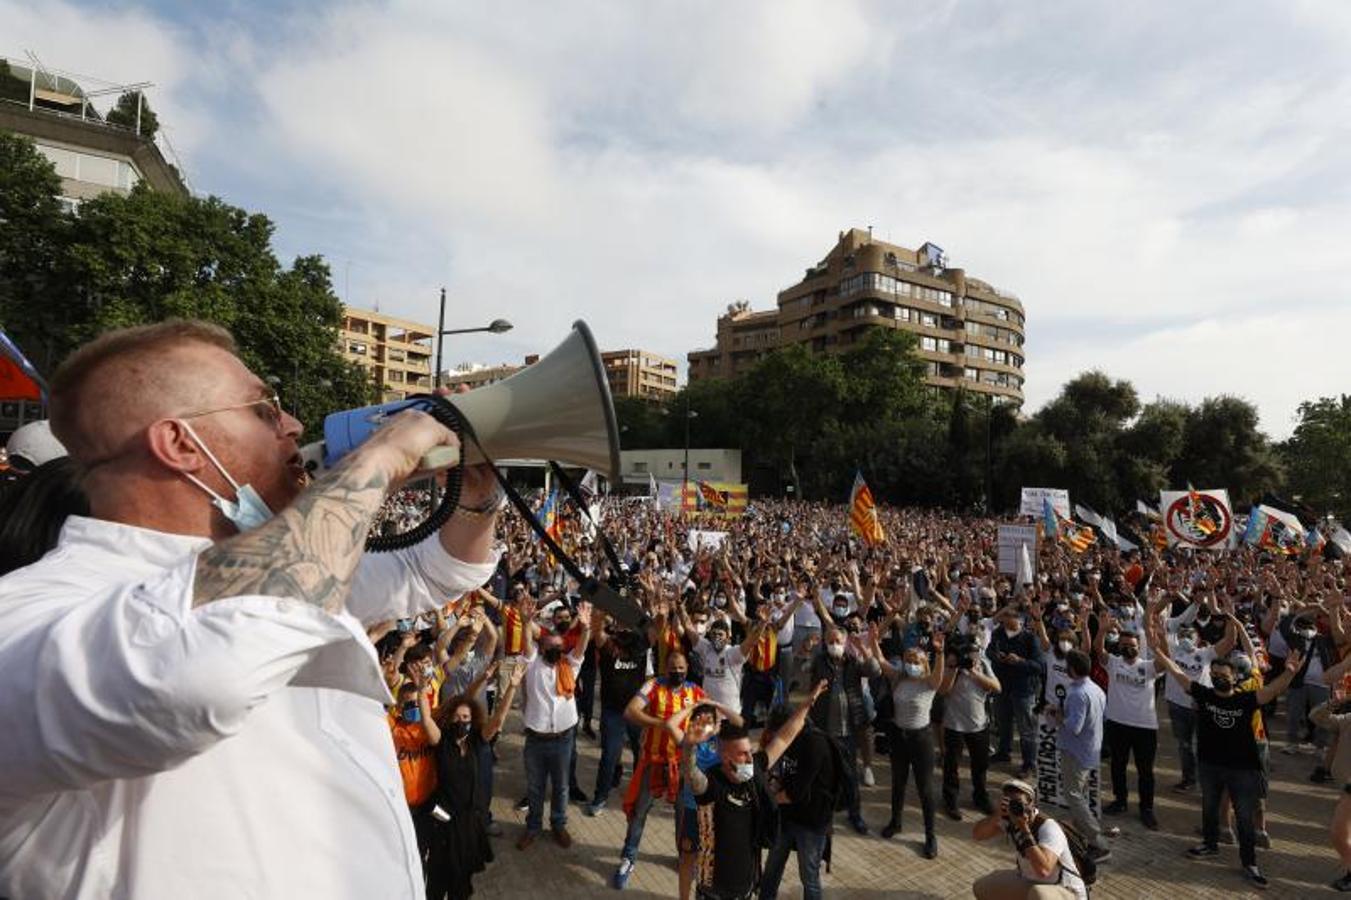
(1300, 862)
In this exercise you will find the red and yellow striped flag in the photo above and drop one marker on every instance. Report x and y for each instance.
(863, 513)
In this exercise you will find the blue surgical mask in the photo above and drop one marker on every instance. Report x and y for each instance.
(914, 670)
(248, 510)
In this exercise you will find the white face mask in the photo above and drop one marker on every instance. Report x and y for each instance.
(248, 510)
(914, 670)
(1011, 632)
(743, 772)
(1065, 646)
(835, 650)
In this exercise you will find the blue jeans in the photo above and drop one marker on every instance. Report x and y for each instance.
(485, 773)
(1010, 710)
(547, 759)
(1244, 787)
(613, 732)
(810, 844)
(634, 835)
(1300, 700)
(1184, 729)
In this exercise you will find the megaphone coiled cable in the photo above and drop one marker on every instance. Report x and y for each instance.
(444, 412)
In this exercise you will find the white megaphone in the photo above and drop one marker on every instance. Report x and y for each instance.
(557, 408)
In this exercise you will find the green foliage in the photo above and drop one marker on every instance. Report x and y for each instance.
(1222, 447)
(1317, 456)
(12, 87)
(148, 256)
(124, 113)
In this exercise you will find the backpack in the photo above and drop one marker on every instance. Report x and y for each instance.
(1084, 866)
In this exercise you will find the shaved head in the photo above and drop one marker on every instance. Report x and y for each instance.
(116, 385)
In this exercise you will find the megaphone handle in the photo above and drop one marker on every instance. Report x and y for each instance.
(439, 458)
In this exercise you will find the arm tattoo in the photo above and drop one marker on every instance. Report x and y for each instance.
(309, 551)
(694, 777)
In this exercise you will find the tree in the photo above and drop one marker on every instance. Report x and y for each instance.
(148, 256)
(124, 113)
(1086, 420)
(1317, 456)
(786, 400)
(642, 425)
(1222, 447)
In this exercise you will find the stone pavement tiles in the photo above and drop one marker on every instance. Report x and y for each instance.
(1299, 864)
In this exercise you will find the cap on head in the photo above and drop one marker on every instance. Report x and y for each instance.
(1017, 785)
(34, 444)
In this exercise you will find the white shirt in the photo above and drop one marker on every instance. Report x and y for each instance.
(154, 750)
(722, 672)
(1196, 666)
(1051, 836)
(1055, 677)
(545, 711)
(1130, 692)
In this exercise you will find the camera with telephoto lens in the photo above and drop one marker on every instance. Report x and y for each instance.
(1017, 808)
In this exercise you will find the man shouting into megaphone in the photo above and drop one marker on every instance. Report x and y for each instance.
(191, 706)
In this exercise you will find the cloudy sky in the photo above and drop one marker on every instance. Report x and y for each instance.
(1165, 185)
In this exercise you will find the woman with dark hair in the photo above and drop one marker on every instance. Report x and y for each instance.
(459, 845)
(32, 510)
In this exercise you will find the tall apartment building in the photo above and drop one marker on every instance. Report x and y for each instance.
(639, 373)
(396, 352)
(970, 333)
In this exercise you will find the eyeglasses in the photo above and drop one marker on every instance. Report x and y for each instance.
(271, 410)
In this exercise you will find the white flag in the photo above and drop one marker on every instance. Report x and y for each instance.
(1024, 565)
(1342, 538)
(651, 485)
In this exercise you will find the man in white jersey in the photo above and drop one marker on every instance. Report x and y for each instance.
(1132, 722)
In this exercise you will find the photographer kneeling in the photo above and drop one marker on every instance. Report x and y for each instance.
(1046, 869)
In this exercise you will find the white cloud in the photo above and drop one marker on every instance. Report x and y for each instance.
(1152, 198)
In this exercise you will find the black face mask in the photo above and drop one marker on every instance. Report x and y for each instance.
(460, 730)
(1129, 653)
(1222, 684)
(552, 654)
(675, 679)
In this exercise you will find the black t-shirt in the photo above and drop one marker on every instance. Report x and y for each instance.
(1224, 734)
(729, 820)
(806, 772)
(623, 669)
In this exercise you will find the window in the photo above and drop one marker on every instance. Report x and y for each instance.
(640, 467)
(944, 345)
(928, 343)
(928, 320)
(356, 347)
(971, 374)
(704, 466)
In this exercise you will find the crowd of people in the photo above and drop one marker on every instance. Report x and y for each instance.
(778, 657)
(776, 667)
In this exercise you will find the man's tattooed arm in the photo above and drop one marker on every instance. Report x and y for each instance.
(309, 551)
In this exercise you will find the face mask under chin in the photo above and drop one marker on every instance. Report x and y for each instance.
(248, 510)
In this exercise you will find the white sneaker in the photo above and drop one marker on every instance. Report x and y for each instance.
(868, 779)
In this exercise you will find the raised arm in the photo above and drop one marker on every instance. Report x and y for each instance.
(1268, 692)
(494, 725)
(784, 737)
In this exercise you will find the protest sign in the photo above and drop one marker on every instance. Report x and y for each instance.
(1011, 538)
(1034, 499)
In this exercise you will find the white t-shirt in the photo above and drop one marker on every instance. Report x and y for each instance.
(1130, 692)
(1056, 678)
(1052, 837)
(722, 672)
(1195, 665)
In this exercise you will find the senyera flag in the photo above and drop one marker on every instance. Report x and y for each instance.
(713, 498)
(863, 513)
(19, 378)
(1075, 536)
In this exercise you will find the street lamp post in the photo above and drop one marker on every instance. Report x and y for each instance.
(496, 326)
(689, 414)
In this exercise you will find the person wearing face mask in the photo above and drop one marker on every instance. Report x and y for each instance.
(411, 726)
(550, 728)
(722, 663)
(1017, 664)
(1132, 728)
(623, 659)
(657, 773)
(734, 805)
(840, 711)
(1194, 658)
(229, 598)
(1227, 754)
(914, 687)
(968, 682)
(1079, 726)
(457, 814)
(1303, 632)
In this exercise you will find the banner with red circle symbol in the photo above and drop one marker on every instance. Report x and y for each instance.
(1202, 520)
